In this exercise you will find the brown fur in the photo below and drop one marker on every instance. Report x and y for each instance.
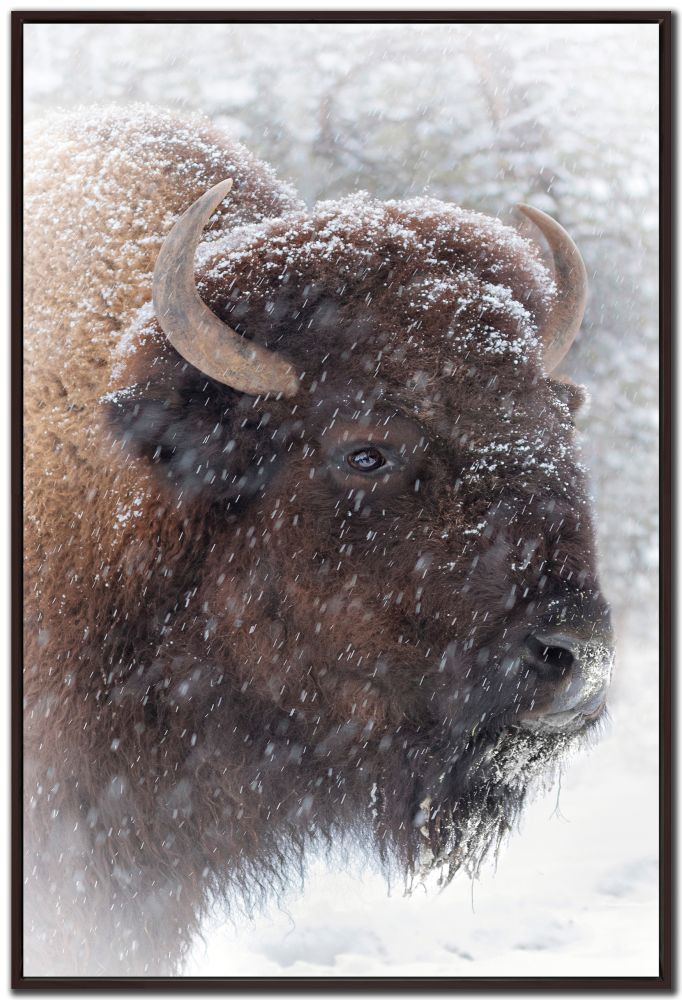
(231, 639)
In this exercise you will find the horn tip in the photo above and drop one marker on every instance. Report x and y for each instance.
(293, 386)
(222, 188)
(528, 210)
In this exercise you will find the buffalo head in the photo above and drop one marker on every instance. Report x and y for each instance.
(381, 594)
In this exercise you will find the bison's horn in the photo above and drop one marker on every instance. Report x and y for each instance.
(194, 331)
(570, 275)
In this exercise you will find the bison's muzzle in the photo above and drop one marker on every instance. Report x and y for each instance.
(573, 660)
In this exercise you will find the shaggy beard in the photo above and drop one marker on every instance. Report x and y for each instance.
(459, 816)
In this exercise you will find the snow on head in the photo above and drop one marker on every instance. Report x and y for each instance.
(453, 280)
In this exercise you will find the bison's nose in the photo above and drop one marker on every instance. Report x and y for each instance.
(571, 674)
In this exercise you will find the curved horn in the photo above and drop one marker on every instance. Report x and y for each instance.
(566, 314)
(194, 331)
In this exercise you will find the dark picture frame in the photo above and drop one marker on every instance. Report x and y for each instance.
(664, 980)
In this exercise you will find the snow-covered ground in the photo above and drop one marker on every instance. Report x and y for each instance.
(575, 892)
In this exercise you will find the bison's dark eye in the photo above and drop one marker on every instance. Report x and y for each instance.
(366, 459)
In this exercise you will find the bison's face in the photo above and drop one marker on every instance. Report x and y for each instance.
(399, 578)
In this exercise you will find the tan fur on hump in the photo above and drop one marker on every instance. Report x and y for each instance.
(102, 188)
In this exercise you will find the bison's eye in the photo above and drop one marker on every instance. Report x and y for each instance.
(366, 459)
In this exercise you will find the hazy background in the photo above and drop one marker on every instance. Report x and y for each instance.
(566, 118)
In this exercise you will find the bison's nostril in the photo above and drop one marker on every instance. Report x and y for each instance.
(549, 655)
(571, 678)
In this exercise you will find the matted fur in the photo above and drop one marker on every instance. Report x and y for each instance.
(231, 649)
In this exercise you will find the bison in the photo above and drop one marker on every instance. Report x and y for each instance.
(309, 555)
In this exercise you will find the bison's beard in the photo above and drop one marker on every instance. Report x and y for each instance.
(421, 805)
(454, 814)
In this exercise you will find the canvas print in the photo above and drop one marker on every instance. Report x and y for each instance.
(340, 499)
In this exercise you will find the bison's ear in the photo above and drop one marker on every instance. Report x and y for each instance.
(200, 437)
(574, 396)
